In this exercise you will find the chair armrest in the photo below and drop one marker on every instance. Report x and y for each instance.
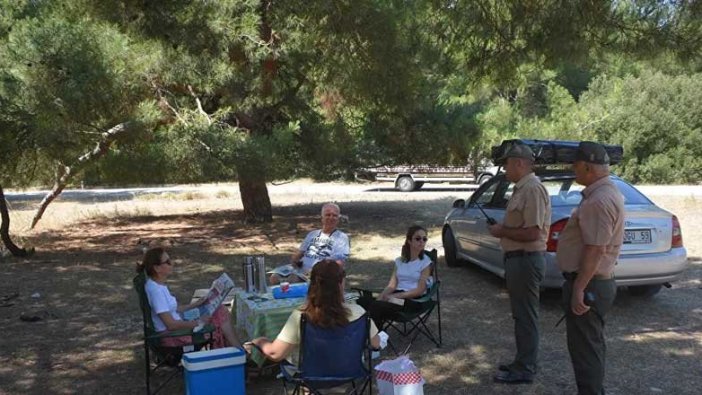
(209, 328)
(367, 292)
(429, 295)
(422, 299)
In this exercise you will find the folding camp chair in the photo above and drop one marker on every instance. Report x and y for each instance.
(162, 355)
(410, 324)
(331, 357)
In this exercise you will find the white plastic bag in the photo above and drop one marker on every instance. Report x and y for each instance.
(399, 376)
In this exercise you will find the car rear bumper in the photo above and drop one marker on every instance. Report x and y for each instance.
(633, 269)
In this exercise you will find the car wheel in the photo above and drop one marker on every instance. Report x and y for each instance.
(484, 178)
(418, 185)
(405, 184)
(449, 248)
(645, 291)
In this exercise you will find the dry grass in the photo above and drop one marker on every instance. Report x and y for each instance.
(88, 341)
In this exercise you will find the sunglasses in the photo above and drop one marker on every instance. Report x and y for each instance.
(420, 238)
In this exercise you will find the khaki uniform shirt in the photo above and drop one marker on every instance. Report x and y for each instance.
(598, 221)
(529, 206)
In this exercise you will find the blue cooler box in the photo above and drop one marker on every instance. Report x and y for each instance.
(218, 371)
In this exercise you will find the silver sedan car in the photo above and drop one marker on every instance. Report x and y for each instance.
(652, 254)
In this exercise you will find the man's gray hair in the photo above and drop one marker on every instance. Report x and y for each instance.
(599, 169)
(334, 205)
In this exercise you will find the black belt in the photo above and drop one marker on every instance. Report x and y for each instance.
(571, 276)
(521, 253)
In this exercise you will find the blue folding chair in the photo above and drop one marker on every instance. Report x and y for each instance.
(331, 357)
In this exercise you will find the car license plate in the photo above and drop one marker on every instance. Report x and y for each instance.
(637, 236)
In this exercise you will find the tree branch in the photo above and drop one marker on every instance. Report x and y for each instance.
(65, 173)
(199, 105)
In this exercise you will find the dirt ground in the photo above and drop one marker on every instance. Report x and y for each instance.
(87, 340)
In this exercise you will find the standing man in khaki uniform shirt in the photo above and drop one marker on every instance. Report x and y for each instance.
(588, 249)
(523, 237)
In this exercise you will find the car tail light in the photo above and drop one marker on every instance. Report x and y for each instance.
(677, 234)
(553, 233)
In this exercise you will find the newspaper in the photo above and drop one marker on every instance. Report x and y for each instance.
(215, 296)
(287, 270)
(397, 301)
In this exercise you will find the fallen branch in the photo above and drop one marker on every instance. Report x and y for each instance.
(65, 173)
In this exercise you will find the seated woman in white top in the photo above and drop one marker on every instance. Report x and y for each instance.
(165, 311)
(410, 279)
(325, 307)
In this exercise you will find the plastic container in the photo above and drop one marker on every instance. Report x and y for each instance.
(218, 371)
(294, 291)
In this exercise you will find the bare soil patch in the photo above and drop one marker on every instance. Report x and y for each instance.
(88, 338)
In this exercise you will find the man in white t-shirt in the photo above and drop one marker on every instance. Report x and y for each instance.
(325, 243)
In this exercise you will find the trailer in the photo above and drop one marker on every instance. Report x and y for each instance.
(412, 177)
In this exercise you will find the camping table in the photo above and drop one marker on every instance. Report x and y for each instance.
(262, 315)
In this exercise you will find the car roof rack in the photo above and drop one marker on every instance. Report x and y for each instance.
(551, 152)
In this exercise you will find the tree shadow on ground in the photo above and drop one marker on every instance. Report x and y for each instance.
(88, 338)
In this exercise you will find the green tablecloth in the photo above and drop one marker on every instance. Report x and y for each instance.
(262, 315)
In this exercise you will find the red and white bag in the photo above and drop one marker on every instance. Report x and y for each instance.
(399, 376)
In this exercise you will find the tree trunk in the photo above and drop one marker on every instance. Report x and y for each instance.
(254, 197)
(5, 229)
(252, 183)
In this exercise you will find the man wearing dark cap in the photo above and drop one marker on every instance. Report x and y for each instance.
(587, 251)
(523, 237)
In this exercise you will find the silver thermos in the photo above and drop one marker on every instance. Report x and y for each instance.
(260, 269)
(249, 275)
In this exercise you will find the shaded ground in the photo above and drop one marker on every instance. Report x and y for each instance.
(88, 338)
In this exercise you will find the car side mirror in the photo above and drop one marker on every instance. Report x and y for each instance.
(460, 203)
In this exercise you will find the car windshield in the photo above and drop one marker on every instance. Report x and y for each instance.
(566, 192)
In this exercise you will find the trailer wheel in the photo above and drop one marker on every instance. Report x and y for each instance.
(405, 184)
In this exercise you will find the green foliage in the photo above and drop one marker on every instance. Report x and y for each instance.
(658, 120)
(63, 82)
(236, 89)
(654, 116)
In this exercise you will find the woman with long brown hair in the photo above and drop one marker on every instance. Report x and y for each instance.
(325, 307)
(165, 310)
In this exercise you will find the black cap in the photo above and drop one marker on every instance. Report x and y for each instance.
(592, 152)
(518, 151)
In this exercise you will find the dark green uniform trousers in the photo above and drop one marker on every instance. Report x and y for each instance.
(523, 276)
(586, 342)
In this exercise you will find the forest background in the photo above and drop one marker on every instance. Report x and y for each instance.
(133, 92)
